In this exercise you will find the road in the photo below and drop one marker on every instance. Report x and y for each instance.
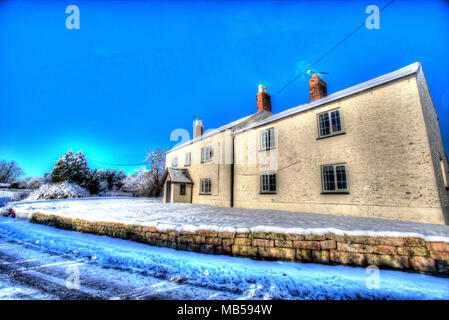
(29, 272)
(41, 262)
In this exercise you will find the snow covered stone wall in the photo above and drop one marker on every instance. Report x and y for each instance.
(403, 253)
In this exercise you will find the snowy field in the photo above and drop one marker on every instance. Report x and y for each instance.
(180, 271)
(192, 217)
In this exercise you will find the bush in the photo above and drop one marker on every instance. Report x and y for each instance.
(28, 183)
(62, 190)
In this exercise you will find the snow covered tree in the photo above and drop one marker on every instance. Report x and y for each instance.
(147, 182)
(156, 161)
(28, 183)
(139, 183)
(72, 168)
(120, 179)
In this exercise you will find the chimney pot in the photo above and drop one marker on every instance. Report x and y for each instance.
(317, 88)
(263, 99)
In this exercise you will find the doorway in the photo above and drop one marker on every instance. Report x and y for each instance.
(168, 192)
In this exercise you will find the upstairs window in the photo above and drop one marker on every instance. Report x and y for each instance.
(267, 140)
(182, 189)
(268, 182)
(206, 154)
(329, 123)
(334, 178)
(205, 186)
(187, 160)
(174, 162)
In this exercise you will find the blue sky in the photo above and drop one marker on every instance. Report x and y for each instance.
(136, 70)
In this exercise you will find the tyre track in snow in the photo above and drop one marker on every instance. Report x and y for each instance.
(30, 272)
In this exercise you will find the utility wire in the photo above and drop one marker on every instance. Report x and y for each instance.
(119, 164)
(327, 53)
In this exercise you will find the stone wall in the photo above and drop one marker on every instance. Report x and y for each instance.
(408, 254)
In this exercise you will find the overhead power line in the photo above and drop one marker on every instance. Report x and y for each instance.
(119, 164)
(327, 53)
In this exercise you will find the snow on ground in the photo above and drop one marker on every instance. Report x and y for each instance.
(244, 278)
(11, 195)
(29, 272)
(192, 217)
(14, 291)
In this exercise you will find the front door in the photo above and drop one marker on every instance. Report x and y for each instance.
(168, 192)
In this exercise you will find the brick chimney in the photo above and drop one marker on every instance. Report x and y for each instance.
(198, 128)
(263, 99)
(317, 88)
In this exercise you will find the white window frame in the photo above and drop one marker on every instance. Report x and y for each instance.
(336, 190)
(188, 159)
(206, 154)
(268, 174)
(174, 162)
(205, 183)
(443, 173)
(267, 139)
(331, 131)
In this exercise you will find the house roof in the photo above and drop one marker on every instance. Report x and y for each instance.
(235, 125)
(405, 71)
(177, 175)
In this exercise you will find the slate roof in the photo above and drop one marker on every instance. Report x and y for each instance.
(177, 175)
(235, 125)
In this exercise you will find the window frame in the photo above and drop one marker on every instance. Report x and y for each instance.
(210, 154)
(187, 163)
(182, 189)
(332, 133)
(173, 162)
(270, 139)
(268, 173)
(337, 190)
(443, 174)
(203, 183)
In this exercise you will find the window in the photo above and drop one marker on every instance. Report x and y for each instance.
(329, 123)
(182, 189)
(187, 160)
(334, 178)
(205, 186)
(443, 172)
(206, 154)
(267, 139)
(174, 162)
(268, 182)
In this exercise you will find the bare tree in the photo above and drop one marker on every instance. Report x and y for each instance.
(9, 171)
(156, 160)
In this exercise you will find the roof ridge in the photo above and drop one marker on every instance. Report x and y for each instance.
(388, 77)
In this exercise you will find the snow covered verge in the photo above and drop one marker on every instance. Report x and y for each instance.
(63, 190)
(261, 234)
(193, 217)
(7, 196)
(251, 279)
